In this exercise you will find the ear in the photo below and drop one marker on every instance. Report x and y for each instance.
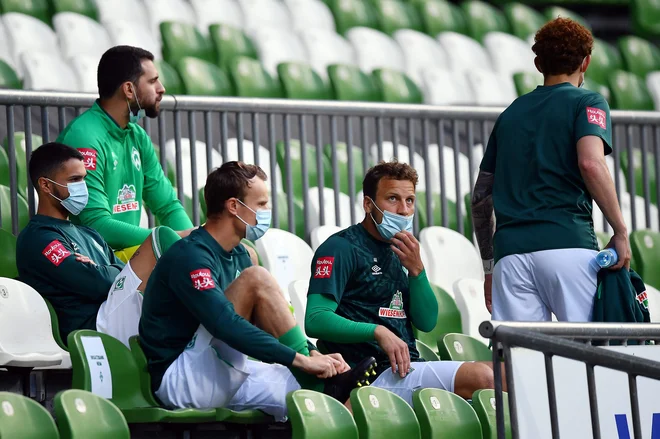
(537, 64)
(128, 90)
(231, 206)
(42, 184)
(585, 64)
(367, 205)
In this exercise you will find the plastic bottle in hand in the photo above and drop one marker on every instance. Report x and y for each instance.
(606, 258)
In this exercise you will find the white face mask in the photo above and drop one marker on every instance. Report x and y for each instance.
(135, 118)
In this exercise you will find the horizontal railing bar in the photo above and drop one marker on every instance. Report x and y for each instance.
(592, 331)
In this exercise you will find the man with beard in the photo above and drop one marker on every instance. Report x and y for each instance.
(123, 171)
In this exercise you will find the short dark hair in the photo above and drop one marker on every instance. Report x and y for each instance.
(393, 170)
(228, 181)
(561, 45)
(48, 158)
(118, 65)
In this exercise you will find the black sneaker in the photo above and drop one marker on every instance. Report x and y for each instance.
(340, 386)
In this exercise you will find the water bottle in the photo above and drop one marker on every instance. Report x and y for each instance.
(606, 258)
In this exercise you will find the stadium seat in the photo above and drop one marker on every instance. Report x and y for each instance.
(425, 351)
(277, 46)
(436, 209)
(7, 254)
(555, 11)
(491, 88)
(469, 294)
(169, 77)
(603, 90)
(288, 262)
(638, 171)
(441, 16)
(402, 154)
(454, 257)
(353, 13)
(314, 415)
(263, 155)
(85, 68)
(639, 56)
(183, 39)
(379, 413)
(26, 34)
(159, 11)
(342, 165)
(112, 10)
(326, 47)
(645, 15)
(397, 87)
(132, 33)
(420, 52)
(395, 14)
(298, 294)
(605, 58)
(320, 234)
(80, 35)
(444, 87)
(483, 402)
(298, 226)
(527, 82)
(645, 247)
(375, 49)
(82, 7)
(654, 303)
(442, 414)
(6, 211)
(463, 52)
(629, 92)
(20, 148)
(6, 50)
(8, 77)
(525, 21)
(202, 78)
(483, 18)
(329, 211)
(652, 83)
(461, 347)
(185, 159)
(265, 14)
(252, 80)
(449, 171)
(509, 53)
(25, 418)
(310, 14)
(47, 71)
(296, 166)
(449, 320)
(39, 9)
(81, 414)
(351, 84)
(217, 12)
(26, 337)
(230, 42)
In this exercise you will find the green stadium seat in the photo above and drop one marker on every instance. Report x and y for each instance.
(638, 172)
(420, 210)
(4, 168)
(483, 402)
(645, 247)
(201, 78)
(527, 82)
(461, 347)
(300, 81)
(603, 90)
(298, 215)
(183, 39)
(37, 8)
(342, 162)
(8, 77)
(252, 80)
(81, 414)
(397, 87)
(426, 352)
(443, 414)
(379, 413)
(645, 15)
(21, 163)
(296, 166)
(353, 13)
(394, 15)
(8, 255)
(555, 11)
(230, 42)
(314, 415)
(352, 84)
(629, 92)
(5, 210)
(449, 320)
(483, 18)
(639, 56)
(524, 20)
(24, 418)
(441, 16)
(83, 7)
(605, 58)
(169, 77)
(55, 324)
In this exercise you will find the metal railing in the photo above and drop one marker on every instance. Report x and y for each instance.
(572, 341)
(377, 131)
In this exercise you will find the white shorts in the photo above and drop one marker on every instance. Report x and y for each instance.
(211, 374)
(531, 286)
(119, 315)
(425, 374)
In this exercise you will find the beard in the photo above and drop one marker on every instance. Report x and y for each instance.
(150, 110)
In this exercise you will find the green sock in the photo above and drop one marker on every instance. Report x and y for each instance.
(162, 239)
(296, 340)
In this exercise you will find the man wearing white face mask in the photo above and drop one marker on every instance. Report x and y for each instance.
(72, 266)
(368, 287)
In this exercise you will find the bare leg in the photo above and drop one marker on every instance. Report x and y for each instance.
(471, 377)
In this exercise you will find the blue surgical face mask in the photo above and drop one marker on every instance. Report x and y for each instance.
(252, 233)
(78, 196)
(135, 118)
(392, 223)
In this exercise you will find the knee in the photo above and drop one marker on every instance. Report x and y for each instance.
(261, 281)
(471, 377)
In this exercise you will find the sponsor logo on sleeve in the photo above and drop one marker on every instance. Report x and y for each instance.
(395, 310)
(89, 158)
(643, 299)
(126, 200)
(56, 252)
(202, 279)
(324, 267)
(597, 116)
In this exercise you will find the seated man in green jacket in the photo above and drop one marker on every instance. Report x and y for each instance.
(368, 286)
(72, 266)
(123, 172)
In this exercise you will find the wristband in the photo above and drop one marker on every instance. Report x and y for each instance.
(488, 266)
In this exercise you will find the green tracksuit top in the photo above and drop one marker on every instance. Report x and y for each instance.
(123, 172)
(45, 257)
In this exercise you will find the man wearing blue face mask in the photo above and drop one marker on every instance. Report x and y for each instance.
(72, 266)
(368, 287)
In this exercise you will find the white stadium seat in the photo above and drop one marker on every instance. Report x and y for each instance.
(328, 208)
(276, 46)
(653, 84)
(261, 14)
(445, 87)
(654, 303)
(29, 34)
(124, 32)
(490, 88)
(210, 12)
(463, 52)
(80, 35)
(144, 218)
(375, 50)
(469, 296)
(325, 48)
(131, 11)
(47, 71)
(402, 155)
(321, 233)
(159, 11)
(6, 51)
(248, 157)
(298, 293)
(85, 68)
(420, 52)
(26, 333)
(449, 171)
(201, 168)
(310, 14)
(509, 53)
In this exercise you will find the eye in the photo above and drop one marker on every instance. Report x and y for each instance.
(392, 198)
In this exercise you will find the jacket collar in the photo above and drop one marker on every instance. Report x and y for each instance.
(110, 124)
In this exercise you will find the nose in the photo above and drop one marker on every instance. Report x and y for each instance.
(161, 88)
(403, 208)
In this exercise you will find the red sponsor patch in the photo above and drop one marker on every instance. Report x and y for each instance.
(324, 267)
(597, 116)
(202, 279)
(56, 252)
(89, 158)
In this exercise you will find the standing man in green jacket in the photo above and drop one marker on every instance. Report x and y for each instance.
(123, 172)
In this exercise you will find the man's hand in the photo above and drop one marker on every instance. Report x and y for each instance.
(621, 244)
(343, 367)
(407, 248)
(488, 292)
(395, 348)
(84, 259)
(322, 366)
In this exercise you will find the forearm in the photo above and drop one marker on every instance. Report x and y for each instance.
(322, 322)
(599, 183)
(482, 216)
(117, 234)
(176, 218)
(423, 304)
